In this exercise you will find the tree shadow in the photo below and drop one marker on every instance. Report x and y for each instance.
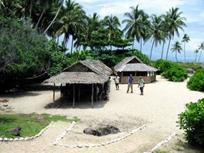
(65, 104)
(18, 94)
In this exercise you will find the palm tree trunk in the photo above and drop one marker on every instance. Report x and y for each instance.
(199, 56)
(72, 44)
(176, 56)
(53, 20)
(40, 18)
(167, 53)
(151, 50)
(184, 51)
(196, 58)
(31, 7)
(141, 45)
(162, 54)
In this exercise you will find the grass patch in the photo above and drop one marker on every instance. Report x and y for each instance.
(30, 124)
(161, 151)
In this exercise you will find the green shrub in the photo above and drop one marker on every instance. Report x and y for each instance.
(176, 74)
(196, 82)
(192, 122)
(163, 65)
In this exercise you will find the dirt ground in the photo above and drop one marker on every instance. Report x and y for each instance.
(158, 108)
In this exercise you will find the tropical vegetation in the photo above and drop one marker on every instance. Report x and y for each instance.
(191, 121)
(196, 82)
(30, 124)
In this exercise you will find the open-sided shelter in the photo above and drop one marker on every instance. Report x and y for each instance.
(84, 80)
(133, 65)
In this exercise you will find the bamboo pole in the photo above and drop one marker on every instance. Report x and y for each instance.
(92, 95)
(73, 95)
(54, 93)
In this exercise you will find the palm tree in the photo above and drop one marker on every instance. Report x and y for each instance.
(71, 22)
(185, 39)
(133, 23)
(156, 32)
(61, 2)
(112, 24)
(196, 53)
(175, 22)
(177, 49)
(164, 34)
(201, 48)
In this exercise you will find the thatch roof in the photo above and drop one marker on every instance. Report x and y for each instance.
(97, 66)
(133, 64)
(138, 67)
(77, 78)
(126, 61)
(95, 73)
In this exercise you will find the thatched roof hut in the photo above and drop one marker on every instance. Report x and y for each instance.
(85, 77)
(133, 65)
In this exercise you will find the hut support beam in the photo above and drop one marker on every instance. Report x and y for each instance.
(54, 93)
(92, 95)
(73, 104)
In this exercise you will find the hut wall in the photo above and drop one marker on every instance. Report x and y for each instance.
(147, 79)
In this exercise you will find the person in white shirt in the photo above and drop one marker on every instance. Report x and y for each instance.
(141, 85)
(117, 81)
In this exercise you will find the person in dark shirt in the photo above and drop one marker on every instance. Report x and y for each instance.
(130, 83)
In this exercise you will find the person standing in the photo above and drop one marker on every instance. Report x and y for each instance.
(117, 81)
(141, 84)
(130, 83)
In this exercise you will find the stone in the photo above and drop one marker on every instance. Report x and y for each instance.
(15, 131)
(101, 131)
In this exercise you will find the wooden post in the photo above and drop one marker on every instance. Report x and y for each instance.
(92, 95)
(61, 91)
(73, 95)
(54, 93)
(79, 94)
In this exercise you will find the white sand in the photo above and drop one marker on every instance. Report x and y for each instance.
(158, 108)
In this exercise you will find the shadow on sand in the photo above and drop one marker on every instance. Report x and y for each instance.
(21, 93)
(64, 103)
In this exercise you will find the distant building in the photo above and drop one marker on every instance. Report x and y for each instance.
(87, 80)
(133, 65)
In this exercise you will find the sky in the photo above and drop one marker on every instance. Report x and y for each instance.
(193, 11)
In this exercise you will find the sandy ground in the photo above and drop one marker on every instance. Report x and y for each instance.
(158, 109)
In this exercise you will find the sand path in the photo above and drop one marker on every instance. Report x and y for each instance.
(158, 108)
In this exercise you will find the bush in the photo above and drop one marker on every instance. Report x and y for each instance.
(171, 71)
(192, 122)
(163, 65)
(196, 82)
(176, 74)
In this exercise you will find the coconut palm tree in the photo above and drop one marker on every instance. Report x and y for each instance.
(156, 32)
(133, 24)
(201, 49)
(177, 49)
(185, 40)
(175, 23)
(71, 22)
(112, 25)
(61, 2)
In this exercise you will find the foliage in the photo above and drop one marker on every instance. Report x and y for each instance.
(58, 60)
(111, 58)
(191, 121)
(30, 124)
(163, 65)
(171, 71)
(196, 82)
(193, 66)
(23, 51)
(176, 74)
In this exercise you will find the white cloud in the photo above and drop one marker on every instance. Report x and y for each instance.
(152, 6)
